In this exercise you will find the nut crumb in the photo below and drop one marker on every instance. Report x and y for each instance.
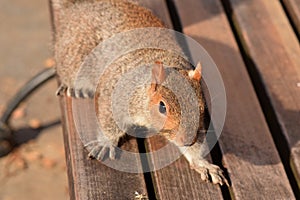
(140, 196)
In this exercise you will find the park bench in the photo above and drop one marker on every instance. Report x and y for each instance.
(255, 44)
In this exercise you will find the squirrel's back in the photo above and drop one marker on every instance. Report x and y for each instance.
(84, 24)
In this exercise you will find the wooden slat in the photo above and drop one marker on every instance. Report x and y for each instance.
(90, 179)
(176, 181)
(293, 7)
(250, 155)
(275, 52)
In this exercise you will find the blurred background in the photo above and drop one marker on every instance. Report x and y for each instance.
(36, 168)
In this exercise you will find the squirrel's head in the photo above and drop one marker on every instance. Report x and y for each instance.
(165, 108)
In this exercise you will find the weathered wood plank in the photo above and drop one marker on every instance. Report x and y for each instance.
(293, 7)
(90, 179)
(250, 155)
(177, 180)
(275, 52)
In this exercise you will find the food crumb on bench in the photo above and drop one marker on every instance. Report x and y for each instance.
(139, 196)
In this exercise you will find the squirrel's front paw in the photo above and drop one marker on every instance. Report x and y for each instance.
(100, 149)
(209, 172)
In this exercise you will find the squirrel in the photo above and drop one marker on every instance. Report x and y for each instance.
(83, 24)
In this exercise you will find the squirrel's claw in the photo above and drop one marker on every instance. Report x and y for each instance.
(211, 173)
(75, 93)
(83, 93)
(60, 90)
(70, 92)
(100, 149)
(217, 176)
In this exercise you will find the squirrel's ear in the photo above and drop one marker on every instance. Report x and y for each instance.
(158, 73)
(196, 73)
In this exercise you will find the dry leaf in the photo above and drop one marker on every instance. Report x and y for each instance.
(48, 163)
(34, 123)
(49, 62)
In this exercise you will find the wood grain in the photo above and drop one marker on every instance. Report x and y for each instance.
(275, 52)
(90, 179)
(177, 180)
(250, 155)
(293, 7)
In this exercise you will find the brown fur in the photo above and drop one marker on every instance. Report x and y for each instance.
(82, 26)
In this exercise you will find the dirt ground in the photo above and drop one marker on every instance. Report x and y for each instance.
(36, 169)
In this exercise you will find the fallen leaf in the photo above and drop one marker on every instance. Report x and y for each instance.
(49, 62)
(18, 113)
(34, 123)
(48, 163)
(32, 156)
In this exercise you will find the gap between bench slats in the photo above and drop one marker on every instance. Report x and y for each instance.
(272, 55)
(249, 153)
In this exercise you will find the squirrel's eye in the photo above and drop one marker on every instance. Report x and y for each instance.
(162, 108)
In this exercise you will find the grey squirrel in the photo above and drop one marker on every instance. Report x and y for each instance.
(83, 24)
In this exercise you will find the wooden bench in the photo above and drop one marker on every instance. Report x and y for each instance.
(257, 51)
